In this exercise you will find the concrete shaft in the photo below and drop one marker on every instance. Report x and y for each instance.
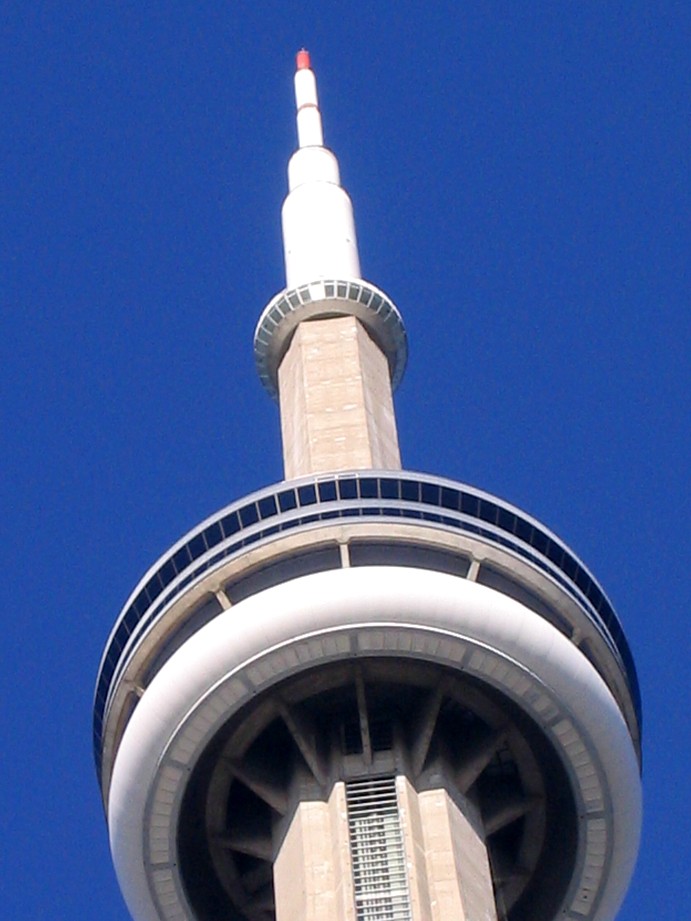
(336, 403)
(447, 871)
(312, 870)
(459, 880)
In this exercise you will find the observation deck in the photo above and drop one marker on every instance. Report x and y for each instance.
(464, 523)
(355, 539)
(322, 299)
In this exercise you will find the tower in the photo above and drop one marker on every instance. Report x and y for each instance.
(363, 693)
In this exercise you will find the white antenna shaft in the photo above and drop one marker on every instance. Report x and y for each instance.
(318, 226)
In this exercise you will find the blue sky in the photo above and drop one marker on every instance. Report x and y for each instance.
(520, 177)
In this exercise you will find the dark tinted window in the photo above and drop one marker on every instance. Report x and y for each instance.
(506, 520)
(524, 530)
(389, 489)
(168, 572)
(249, 515)
(197, 546)
(230, 524)
(539, 540)
(450, 498)
(488, 511)
(368, 488)
(469, 504)
(410, 490)
(213, 535)
(327, 491)
(429, 493)
(153, 587)
(283, 569)
(287, 500)
(400, 553)
(347, 489)
(181, 559)
(267, 506)
(569, 566)
(555, 553)
(307, 495)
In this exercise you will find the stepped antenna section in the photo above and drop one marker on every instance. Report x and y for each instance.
(334, 376)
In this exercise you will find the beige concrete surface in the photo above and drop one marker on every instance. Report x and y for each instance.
(336, 403)
(312, 869)
(447, 865)
(458, 869)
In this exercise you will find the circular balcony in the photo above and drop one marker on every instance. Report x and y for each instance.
(457, 524)
(328, 298)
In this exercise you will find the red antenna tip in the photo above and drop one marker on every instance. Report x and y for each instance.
(303, 60)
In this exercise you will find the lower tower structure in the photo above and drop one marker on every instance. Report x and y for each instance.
(364, 694)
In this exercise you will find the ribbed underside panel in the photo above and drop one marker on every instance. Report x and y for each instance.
(376, 848)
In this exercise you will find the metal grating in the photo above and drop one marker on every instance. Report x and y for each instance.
(376, 850)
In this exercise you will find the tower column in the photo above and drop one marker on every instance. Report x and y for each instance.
(377, 848)
(336, 405)
(458, 869)
(312, 870)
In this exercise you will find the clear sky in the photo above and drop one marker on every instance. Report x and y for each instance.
(520, 177)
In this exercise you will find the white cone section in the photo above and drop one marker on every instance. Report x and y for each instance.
(318, 225)
(372, 611)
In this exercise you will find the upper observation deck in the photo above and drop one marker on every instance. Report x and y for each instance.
(379, 517)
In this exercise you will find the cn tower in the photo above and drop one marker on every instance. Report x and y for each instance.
(364, 693)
